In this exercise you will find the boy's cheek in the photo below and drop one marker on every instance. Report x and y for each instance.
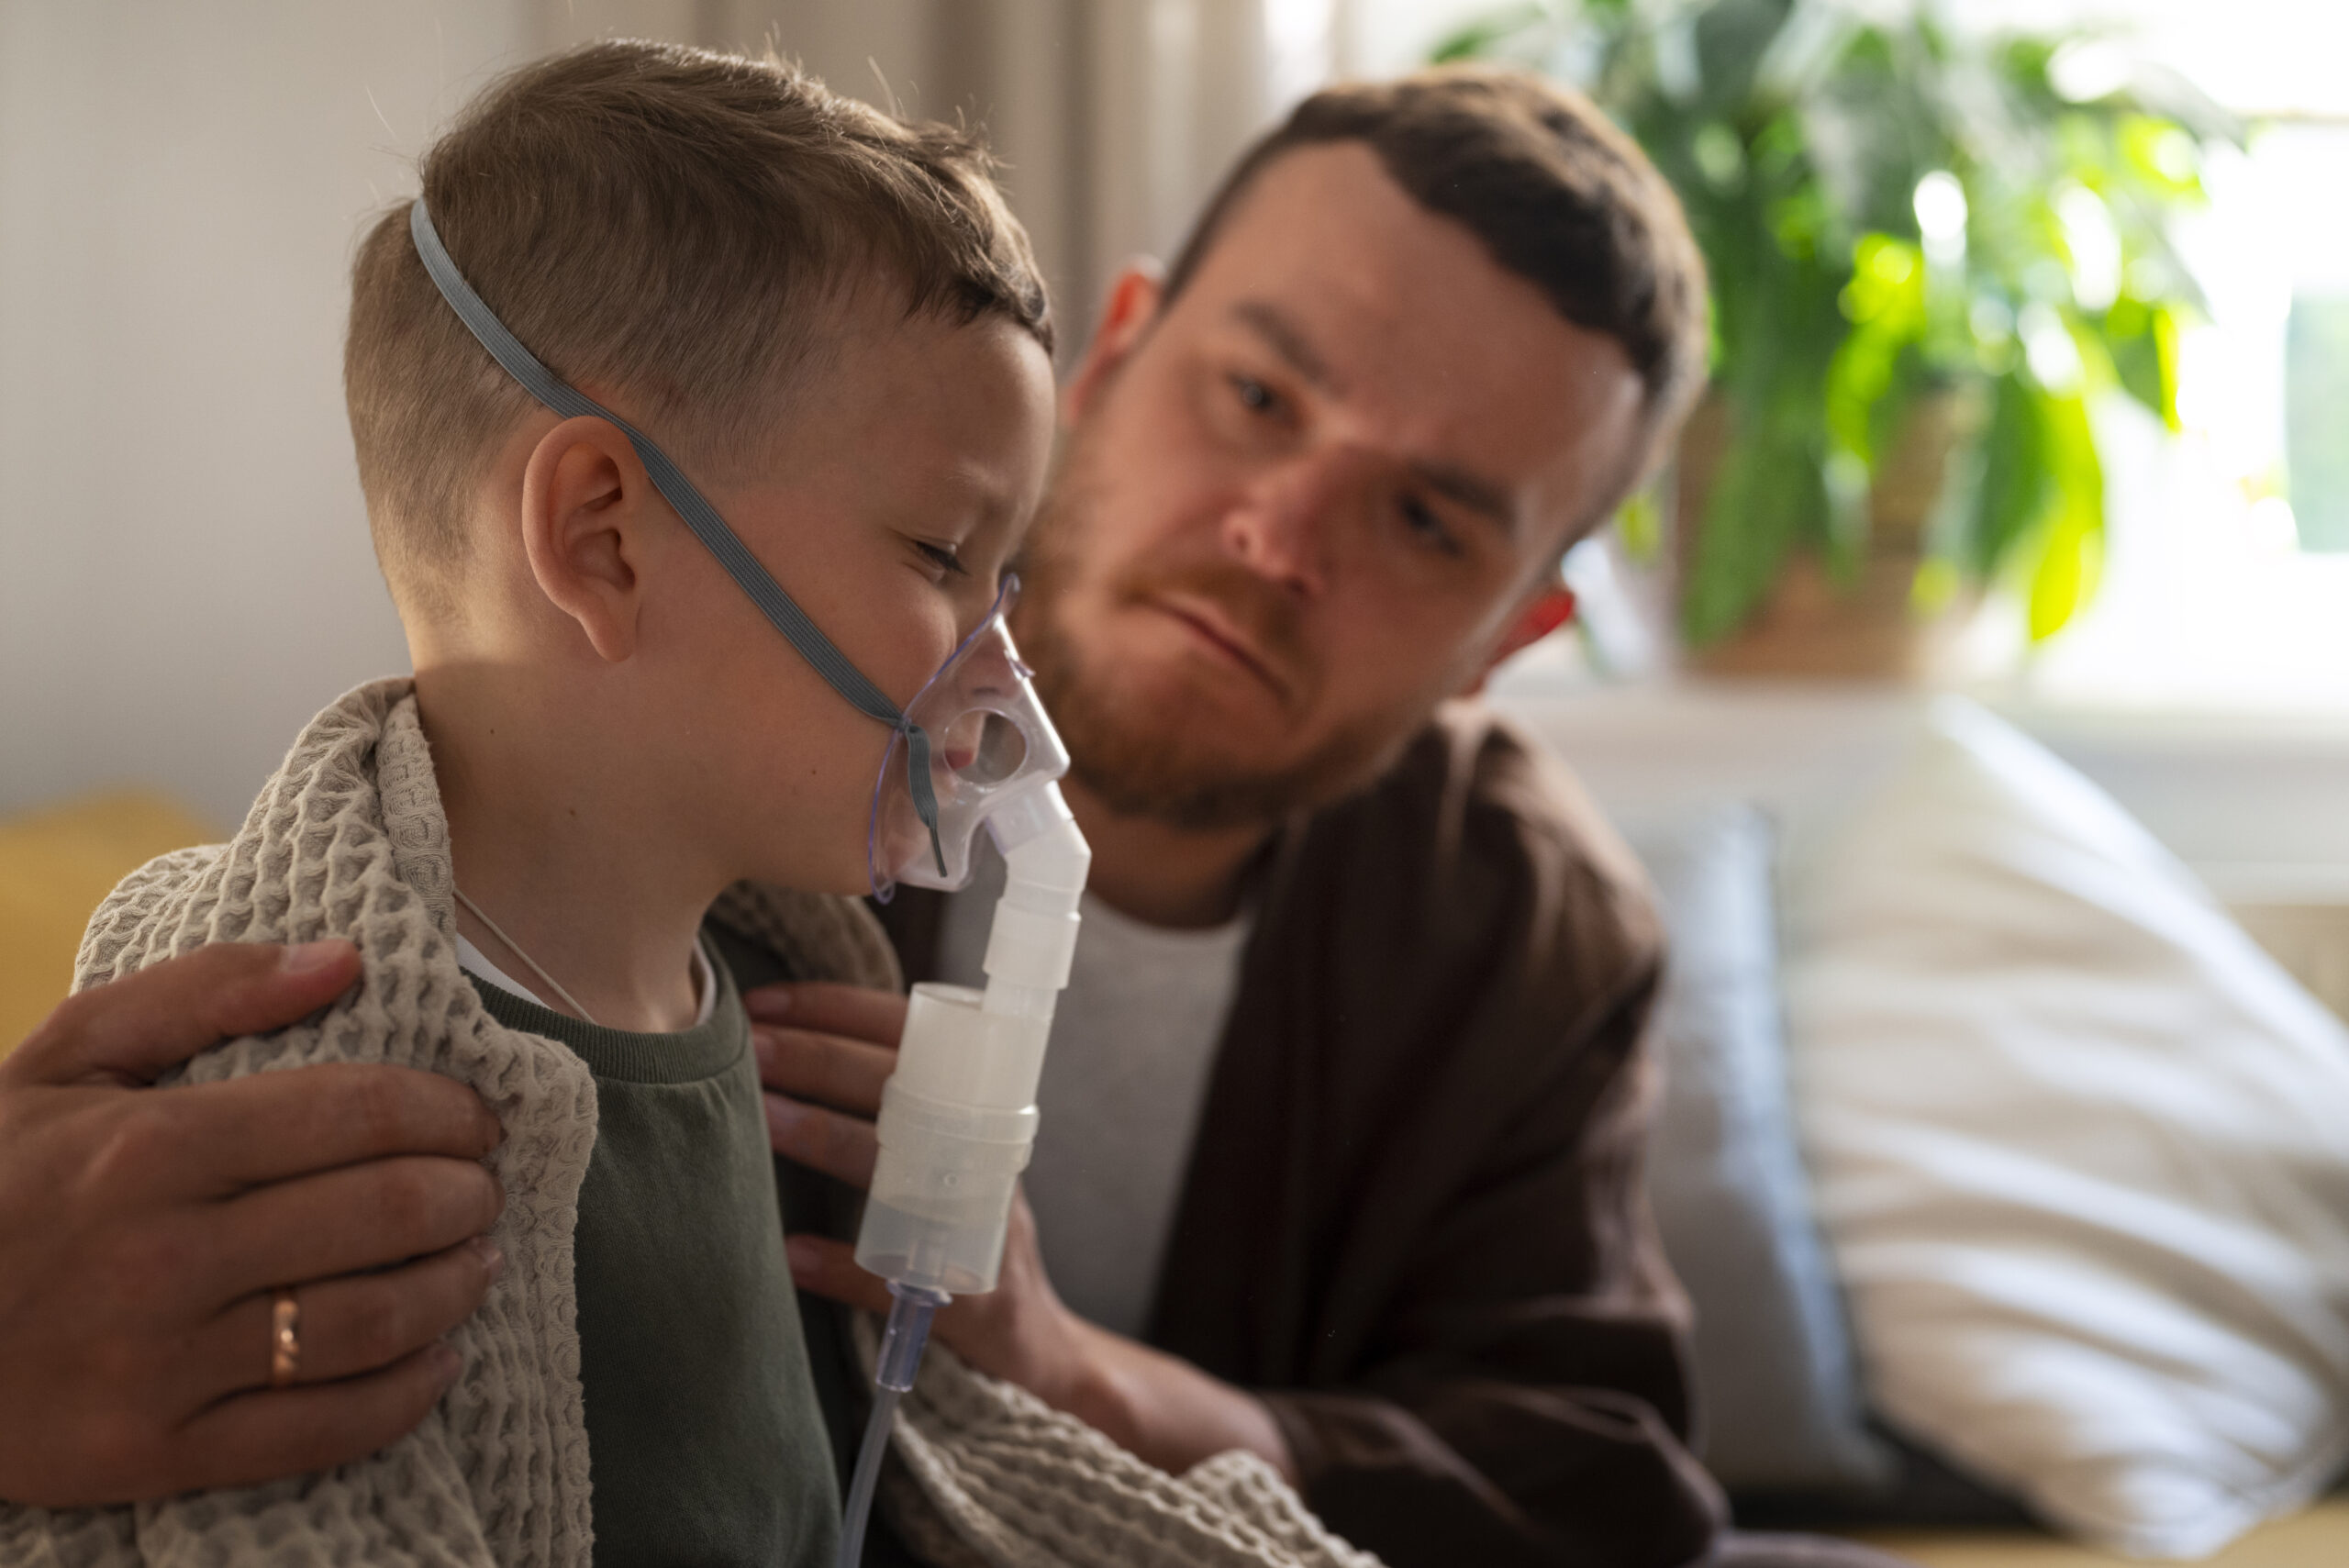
(805, 805)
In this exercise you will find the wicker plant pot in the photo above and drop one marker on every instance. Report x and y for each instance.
(1810, 626)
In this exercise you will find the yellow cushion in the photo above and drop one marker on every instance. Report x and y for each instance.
(55, 865)
(2316, 1539)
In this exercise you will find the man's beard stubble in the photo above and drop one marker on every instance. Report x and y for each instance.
(1146, 764)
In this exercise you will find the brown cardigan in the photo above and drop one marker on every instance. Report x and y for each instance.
(1413, 1218)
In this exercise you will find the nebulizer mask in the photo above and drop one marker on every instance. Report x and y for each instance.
(989, 746)
(974, 748)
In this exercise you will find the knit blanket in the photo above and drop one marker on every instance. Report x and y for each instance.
(349, 839)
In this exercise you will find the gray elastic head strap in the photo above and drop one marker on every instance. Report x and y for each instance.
(699, 515)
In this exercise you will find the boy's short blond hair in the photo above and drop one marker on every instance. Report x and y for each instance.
(670, 231)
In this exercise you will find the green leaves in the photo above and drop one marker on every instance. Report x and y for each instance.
(1798, 133)
(1884, 303)
(1768, 491)
(2039, 505)
(2070, 543)
(2141, 339)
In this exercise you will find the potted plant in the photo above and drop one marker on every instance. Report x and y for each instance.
(1929, 253)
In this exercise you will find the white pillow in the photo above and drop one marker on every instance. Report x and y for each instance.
(2080, 1148)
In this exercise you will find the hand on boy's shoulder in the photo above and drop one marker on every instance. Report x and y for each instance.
(144, 1233)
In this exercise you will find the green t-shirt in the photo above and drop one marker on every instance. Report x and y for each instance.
(705, 1444)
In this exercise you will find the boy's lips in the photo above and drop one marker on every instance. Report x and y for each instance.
(1212, 627)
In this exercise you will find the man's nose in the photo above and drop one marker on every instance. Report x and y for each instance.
(1285, 526)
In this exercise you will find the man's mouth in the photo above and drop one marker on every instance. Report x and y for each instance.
(1212, 627)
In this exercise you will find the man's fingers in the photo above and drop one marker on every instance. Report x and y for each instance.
(253, 1438)
(352, 1326)
(271, 1126)
(341, 1222)
(135, 1027)
(841, 1146)
(827, 1268)
(823, 1069)
(859, 1012)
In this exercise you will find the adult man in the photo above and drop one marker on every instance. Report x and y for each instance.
(1343, 1113)
(1378, 1217)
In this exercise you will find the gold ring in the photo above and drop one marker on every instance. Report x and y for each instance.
(284, 1339)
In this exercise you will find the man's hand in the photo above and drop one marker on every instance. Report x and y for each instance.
(824, 1052)
(143, 1231)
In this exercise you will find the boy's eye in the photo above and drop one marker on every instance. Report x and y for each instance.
(943, 556)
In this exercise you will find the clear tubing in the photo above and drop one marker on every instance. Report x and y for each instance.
(902, 1339)
(868, 1472)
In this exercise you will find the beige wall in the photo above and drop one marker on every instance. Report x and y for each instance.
(185, 574)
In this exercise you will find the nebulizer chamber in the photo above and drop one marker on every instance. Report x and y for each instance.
(958, 1115)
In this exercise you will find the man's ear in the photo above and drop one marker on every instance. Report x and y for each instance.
(586, 502)
(1551, 609)
(1134, 299)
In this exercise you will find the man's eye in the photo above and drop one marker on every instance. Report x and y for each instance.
(942, 557)
(1426, 526)
(1253, 395)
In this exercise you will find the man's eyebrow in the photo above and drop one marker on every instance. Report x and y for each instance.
(1285, 338)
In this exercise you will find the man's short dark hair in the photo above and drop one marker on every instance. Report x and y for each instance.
(1557, 195)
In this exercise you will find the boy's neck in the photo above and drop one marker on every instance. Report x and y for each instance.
(547, 838)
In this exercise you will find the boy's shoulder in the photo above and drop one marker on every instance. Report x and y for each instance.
(346, 839)
(134, 908)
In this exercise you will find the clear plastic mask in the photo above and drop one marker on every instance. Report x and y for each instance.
(990, 743)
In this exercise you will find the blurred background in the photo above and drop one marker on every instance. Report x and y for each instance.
(181, 185)
(2031, 383)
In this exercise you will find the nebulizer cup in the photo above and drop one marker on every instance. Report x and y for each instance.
(958, 1115)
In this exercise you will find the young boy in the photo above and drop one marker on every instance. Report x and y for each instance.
(828, 319)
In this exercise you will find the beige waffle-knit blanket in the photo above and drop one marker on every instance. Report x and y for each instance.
(349, 841)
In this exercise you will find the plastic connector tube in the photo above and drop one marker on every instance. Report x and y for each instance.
(901, 1347)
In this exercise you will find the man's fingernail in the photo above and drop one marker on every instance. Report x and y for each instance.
(768, 1001)
(805, 1256)
(445, 1365)
(493, 1256)
(762, 1044)
(305, 958)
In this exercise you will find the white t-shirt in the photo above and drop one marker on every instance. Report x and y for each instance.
(1133, 1041)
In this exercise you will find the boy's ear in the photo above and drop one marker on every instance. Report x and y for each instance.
(1135, 298)
(1545, 613)
(586, 500)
